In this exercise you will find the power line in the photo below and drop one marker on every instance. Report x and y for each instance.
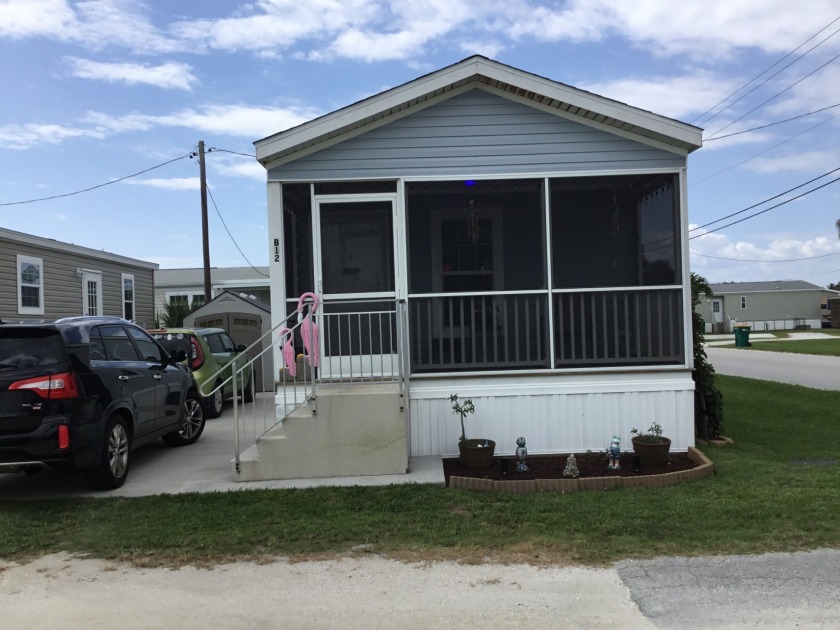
(84, 190)
(764, 261)
(214, 149)
(231, 235)
(807, 192)
(773, 124)
(755, 155)
(761, 203)
(766, 70)
(760, 105)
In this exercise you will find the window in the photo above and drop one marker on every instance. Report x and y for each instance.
(128, 296)
(191, 299)
(214, 343)
(743, 301)
(118, 346)
(716, 307)
(149, 350)
(30, 280)
(227, 343)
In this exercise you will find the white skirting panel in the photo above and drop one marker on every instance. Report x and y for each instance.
(555, 414)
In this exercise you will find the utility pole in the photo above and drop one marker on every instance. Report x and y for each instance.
(205, 237)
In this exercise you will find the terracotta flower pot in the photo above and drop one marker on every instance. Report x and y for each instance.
(477, 454)
(650, 452)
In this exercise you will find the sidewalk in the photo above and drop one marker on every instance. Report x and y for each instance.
(729, 338)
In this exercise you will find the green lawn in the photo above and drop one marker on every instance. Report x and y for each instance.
(762, 498)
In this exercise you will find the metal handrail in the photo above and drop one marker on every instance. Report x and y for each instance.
(306, 308)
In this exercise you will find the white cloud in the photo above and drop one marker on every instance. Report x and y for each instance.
(249, 170)
(806, 161)
(777, 259)
(705, 30)
(95, 24)
(173, 183)
(230, 120)
(677, 96)
(399, 29)
(167, 75)
(26, 136)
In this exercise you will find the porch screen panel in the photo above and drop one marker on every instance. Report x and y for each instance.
(476, 236)
(614, 231)
(297, 239)
(609, 328)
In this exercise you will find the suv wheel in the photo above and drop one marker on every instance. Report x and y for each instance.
(215, 401)
(192, 423)
(112, 469)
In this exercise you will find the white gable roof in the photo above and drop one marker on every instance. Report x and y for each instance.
(482, 73)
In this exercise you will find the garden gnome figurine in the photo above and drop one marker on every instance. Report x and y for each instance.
(571, 469)
(615, 453)
(521, 454)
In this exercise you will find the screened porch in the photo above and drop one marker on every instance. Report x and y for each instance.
(497, 274)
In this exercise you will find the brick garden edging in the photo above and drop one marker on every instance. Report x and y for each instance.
(705, 468)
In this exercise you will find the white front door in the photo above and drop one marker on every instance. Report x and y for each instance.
(356, 280)
(91, 292)
(717, 310)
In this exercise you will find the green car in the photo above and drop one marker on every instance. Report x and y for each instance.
(208, 350)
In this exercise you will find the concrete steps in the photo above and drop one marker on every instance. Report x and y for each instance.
(358, 430)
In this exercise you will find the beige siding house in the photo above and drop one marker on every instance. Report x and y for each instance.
(44, 280)
(771, 305)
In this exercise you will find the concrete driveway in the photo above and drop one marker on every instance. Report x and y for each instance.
(201, 467)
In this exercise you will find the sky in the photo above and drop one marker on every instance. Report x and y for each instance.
(114, 95)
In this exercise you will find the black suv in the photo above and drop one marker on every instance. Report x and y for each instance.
(83, 392)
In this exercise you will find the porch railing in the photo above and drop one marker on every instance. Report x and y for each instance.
(510, 331)
(268, 408)
(618, 327)
(360, 341)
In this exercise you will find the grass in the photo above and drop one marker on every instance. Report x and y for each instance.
(762, 498)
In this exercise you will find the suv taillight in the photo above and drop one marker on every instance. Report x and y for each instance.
(52, 386)
(197, 359)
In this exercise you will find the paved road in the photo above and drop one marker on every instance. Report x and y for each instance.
(785, 367)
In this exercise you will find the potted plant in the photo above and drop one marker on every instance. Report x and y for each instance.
(650, 445)
(476, 454)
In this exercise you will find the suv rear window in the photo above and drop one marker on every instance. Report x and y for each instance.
(32, 347)
(172, 342)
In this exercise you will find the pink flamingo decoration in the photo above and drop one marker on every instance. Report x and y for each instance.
(288, 348)
(308, 327)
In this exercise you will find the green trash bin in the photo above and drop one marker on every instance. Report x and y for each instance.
(742, 335)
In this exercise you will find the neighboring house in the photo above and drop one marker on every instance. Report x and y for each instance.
(771, 305)
(829, 300)
(187, 285)
(45, 280)
(537, 234)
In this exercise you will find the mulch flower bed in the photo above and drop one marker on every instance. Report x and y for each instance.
(591, 466)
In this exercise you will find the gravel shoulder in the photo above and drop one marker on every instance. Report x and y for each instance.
(369, 592)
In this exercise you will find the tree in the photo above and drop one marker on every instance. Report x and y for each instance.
(708, 400)
(834, 286)
(173, 313)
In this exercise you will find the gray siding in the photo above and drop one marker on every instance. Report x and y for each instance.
(63, 288)
(777, 305)
(477, 133)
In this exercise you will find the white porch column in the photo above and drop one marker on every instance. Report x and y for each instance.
(276, 265)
